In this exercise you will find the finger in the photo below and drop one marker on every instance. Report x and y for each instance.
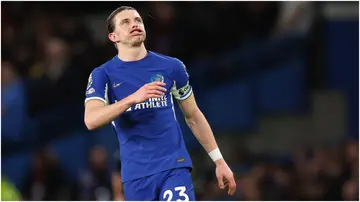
(221, 183)
(155, 96)
(161, 88)
(157, 92)
(232, 186)
(157, 88)
(158, 83)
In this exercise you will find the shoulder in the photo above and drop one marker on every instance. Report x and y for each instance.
(175, 64)
(102, 69)
(167, 59)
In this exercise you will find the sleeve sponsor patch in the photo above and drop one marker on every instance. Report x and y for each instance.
(90, 91)
(90, 81)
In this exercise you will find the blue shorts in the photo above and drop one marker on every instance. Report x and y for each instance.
(170, 185)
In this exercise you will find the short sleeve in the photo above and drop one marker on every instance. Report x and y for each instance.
(97, 86)
(181, 88)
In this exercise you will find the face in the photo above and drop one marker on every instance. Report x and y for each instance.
(98, 157)
(129, 29)
(7, 73)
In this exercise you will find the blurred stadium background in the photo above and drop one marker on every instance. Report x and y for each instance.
(278, 82)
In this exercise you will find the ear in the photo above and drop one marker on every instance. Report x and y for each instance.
(112, 36)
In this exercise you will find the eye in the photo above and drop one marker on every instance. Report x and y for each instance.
(125, 22)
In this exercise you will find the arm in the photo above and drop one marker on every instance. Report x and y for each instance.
(98, 113)
(198, 124)
(117, 186)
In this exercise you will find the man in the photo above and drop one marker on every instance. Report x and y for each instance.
(95, 182)
(134, 91)
(117, 186)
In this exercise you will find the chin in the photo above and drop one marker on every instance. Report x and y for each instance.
(138, 42)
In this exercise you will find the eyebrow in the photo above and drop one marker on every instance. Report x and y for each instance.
(123, 20)
(136, 18)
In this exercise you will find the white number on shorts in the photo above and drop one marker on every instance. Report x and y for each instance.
(168, 193)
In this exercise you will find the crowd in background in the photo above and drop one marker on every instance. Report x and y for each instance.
(48, 52)
(319, 173)
(329, 172)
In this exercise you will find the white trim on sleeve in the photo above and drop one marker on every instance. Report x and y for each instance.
(95, 98)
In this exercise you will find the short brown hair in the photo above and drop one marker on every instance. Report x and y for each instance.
(110, 25)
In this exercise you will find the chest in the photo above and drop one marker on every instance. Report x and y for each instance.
(125, 81)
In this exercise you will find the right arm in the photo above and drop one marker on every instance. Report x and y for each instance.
(98, 113)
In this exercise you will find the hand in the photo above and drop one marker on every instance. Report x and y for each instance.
(149, 90)
(225, 176)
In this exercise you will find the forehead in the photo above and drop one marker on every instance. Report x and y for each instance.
(127, 14)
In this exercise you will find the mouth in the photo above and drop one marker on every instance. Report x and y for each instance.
(136, 31)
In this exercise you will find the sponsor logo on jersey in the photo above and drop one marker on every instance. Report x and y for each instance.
(150, 103)
(115, 85)
(180, 160)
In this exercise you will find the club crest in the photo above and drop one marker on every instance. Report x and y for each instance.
(157, 77)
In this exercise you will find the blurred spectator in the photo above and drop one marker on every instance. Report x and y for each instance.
(351, 190)
(259, 18)
(295, 18)
(164, 29)
(94, 183)
(13, 103)
(46, 181)
(314, 174)
(54, 77)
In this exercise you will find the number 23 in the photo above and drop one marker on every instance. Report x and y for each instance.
(168, 193)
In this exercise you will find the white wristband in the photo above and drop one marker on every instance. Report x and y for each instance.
(215, 154)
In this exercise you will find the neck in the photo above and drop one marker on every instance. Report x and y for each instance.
(129, 54)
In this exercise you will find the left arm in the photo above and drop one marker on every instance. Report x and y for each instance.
(198, 124)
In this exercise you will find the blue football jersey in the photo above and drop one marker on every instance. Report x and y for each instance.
(149, 135)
